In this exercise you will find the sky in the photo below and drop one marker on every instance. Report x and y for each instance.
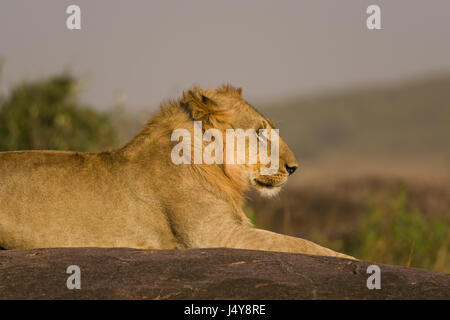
(147, 51)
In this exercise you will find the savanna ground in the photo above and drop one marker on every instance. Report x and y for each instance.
(374, 163)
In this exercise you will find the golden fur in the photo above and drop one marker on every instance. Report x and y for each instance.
(137, 197)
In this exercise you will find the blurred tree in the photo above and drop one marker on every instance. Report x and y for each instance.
(46, 114)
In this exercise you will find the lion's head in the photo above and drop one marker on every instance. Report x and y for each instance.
(224, 109)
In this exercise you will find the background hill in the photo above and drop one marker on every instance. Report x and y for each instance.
(408, 119)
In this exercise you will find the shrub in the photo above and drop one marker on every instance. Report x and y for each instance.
(47, 114)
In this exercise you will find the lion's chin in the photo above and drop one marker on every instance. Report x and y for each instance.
(269, 192)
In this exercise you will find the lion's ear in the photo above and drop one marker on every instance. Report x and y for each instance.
(201, 106)
(204, 109)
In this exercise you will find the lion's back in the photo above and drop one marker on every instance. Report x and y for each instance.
(58, 199)
(41, 191)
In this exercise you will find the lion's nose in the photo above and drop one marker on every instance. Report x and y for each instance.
(291, 170)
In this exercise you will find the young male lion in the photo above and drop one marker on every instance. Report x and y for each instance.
(136, 196)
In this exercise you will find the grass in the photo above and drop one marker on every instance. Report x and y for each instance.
(395, 233)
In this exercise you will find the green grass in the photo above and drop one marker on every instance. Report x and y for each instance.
(394, 233)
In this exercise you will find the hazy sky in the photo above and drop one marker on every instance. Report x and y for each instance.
(151, 50)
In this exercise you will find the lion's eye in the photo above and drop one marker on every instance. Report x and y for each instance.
(259, 133)
(262, 134)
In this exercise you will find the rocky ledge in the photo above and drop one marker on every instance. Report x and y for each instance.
(124, 273)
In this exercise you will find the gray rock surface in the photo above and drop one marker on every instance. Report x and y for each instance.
(124, 273)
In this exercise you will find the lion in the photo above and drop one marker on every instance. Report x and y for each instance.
(135, 196)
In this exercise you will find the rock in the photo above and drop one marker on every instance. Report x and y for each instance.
(124, 273)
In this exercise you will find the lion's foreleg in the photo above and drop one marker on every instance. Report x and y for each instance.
(257, 239)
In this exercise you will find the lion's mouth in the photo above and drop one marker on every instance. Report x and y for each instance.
(267, 185)
(266, 189)
(262, 184)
